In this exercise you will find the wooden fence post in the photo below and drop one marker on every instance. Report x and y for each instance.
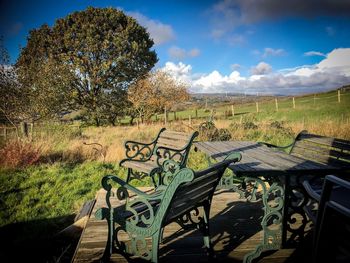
(196, 112)
(233, 111)
(276, 102)
(24, 129)
(174, 115)
(257, 107)
(314, 99)
(293, 103)
(338, 95)
(165, 116)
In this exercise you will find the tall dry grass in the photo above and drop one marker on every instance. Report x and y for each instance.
(106, 144)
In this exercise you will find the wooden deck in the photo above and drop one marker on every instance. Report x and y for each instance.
(235, 230)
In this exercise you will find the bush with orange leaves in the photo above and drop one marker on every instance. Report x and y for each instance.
(19, 154)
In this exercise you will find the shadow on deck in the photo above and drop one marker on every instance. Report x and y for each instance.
(234, 226)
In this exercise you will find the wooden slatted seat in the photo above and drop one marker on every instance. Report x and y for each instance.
(146, 159)
(144, 216)
(321, 149)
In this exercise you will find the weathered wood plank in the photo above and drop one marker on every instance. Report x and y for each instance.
(320, 152)
(230, 219)
(327, 141)
(141, 166)
(176, 135)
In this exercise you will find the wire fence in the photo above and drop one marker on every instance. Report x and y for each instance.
(228, 111)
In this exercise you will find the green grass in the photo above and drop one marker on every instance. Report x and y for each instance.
(47, 191)
(318, 107)
(51, 191)
(38, 201)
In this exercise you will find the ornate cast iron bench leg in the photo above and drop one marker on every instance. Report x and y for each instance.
(205, 230)
(272, 219)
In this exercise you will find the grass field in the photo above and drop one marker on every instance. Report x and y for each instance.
(41, 195)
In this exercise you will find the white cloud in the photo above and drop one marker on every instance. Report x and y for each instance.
(215, 82)
(180, 53)
(273, 52)
(261, 69)
(179, 71)
(159, 32)
(314, 53)
(332, 72)
(337, 59)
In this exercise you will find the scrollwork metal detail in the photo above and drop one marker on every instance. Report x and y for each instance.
(273, 201)
(138, 151)
(170, 154)
(191, 219)
(296, 219)
(229, 182)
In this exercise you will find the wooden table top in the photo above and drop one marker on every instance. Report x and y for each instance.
(258, 159)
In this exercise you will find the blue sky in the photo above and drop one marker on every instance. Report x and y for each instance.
(265, 46)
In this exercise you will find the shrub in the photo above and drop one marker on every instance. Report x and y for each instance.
(19, 154)
(209, 132)
(224, 135)
(276, 125)
(249, 125)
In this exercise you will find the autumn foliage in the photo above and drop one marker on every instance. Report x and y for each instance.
(19, 154)
(153, 93)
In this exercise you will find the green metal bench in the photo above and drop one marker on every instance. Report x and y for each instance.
(321, 149)
(146, 159)
(144, 216)
(329, 151)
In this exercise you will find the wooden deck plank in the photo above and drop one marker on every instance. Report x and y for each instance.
(234, 226)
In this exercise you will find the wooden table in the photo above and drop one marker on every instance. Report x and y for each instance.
(277, 174)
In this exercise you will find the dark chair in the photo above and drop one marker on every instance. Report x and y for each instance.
(331, 241)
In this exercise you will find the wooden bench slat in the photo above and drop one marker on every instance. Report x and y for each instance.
(141, 166)
(178, 142)
(322, 149)
(328, 141)
(175, 135)
(305, 147)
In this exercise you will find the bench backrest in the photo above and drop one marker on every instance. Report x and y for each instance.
(322, 149)
(179, 143)
(174, 139)
(193, 194)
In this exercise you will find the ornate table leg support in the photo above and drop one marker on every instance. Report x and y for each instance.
(273, 200)
(230, 183)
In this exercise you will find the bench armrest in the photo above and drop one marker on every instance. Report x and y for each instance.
(171, 153)
(124, 186)
(139, 150)
(276, 146)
